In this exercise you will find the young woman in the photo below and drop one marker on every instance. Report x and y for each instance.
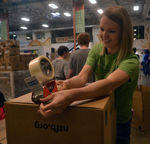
(116, 68)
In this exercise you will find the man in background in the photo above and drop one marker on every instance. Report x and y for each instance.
(60, 64)
(78, 58)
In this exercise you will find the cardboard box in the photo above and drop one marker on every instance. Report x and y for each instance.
(12, 43)
(141, 98)
(84, 122)
(11, 51)
(23, 57)
(2, 44)
(28, 55)
(141, 115)
(3, 139)
(10, 58)
(14, 66)
(12, 83)
(25, 66)
(1, 51)
(2, 66)
(1, 58)
(142, 126)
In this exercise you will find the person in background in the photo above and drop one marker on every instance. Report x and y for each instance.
(142, 63)
(78, 58)
(2, 107)
(116, 68)
(47, 55)
(134, 50)
(146, 62)
(60, 65)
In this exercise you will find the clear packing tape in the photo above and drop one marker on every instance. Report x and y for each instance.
(42, 69)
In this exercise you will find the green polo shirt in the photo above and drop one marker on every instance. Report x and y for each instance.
(105, 65)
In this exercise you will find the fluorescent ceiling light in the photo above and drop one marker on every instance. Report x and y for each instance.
(100, 11)
(22, 27)
(93, 1)
(44, 25)
(28, 37)
(134, 33)
(14, 35)
(134, 29)
(55, 14)
(67, 14)
(136, 8)
(25, 19)
(53, 6)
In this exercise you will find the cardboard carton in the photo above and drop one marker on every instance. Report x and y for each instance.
(3, 132)
(83, 122)
(2, 44)
(142, 126)
(142, 115)
(23, 57)
(28, 55)
(14, 66)
(11, 51)
(25, 65)
(12, 43)
(141, 98)
(1, 58)
(1, 51)
(2, 66)
(9, 58)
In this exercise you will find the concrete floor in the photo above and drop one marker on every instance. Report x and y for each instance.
(138, 137)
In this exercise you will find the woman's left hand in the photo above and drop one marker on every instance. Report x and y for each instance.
(59, 101)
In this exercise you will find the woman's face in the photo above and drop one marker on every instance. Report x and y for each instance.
(110, 33)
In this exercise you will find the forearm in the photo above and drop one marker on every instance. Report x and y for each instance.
(75, 82)
(93, 90)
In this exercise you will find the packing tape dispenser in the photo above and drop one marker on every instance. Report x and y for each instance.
(41, 82)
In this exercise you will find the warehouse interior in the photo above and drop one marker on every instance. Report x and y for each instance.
(30, 29)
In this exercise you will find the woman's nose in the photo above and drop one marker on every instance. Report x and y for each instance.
(105, 34)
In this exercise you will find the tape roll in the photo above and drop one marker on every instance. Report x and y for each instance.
(42, 69)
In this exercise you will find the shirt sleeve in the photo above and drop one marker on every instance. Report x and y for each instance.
(93, 56)
(131, 66)
(66, 68)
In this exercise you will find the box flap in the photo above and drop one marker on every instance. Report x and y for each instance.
(92, 103)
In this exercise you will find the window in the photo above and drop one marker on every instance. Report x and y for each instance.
(40, 35)
(138, 32)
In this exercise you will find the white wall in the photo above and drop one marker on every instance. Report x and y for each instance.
(25, 43)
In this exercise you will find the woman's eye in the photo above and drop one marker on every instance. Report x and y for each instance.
(112, 31)
(102, 29)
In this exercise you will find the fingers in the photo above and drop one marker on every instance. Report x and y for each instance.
(46, 99)
(59, 82)
(46, 110)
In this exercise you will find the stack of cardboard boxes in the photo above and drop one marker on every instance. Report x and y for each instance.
(13, 69)
(10, 57)
(141, 108)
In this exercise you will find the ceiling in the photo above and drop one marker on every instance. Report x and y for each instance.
(39, 12)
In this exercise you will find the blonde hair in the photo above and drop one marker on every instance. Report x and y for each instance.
(120, 16)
